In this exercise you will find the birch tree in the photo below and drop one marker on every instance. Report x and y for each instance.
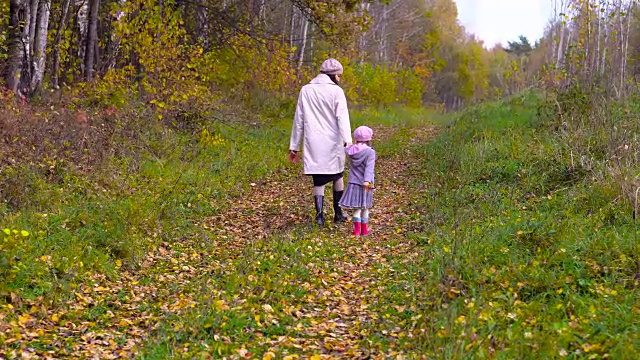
(18, 41)
(40, 43)
(57, 43)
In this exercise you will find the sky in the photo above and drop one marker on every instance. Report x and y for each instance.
(500, 21)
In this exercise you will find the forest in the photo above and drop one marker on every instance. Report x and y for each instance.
(148, 211)
(201, 49)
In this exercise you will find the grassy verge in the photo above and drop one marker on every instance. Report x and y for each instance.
(68, 224)
(62, 224)
(527, 254)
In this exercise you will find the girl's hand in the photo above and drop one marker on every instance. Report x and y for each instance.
(367, 186)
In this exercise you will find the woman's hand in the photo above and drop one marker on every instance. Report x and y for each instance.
(293, 157)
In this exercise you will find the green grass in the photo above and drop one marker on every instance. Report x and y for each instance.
(526, 257)
(150, 191)
(523, 254)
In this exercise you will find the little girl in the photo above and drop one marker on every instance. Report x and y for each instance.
(359, 192)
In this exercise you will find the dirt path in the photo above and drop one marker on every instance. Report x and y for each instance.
(338, 310)
(334, 319)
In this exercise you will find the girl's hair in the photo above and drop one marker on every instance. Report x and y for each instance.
(364, 142)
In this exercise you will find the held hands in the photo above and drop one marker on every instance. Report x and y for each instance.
(367, 186)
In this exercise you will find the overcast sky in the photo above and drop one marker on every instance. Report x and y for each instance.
(499, 21)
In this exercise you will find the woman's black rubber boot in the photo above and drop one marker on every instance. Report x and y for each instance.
(319, 201)
(338, 217)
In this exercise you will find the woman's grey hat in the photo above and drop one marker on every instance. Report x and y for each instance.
(331, 67)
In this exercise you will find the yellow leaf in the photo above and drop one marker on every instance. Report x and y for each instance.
(290, 357)
(219, 304)
(470, 305)
(118, 263)
(268, 356)
(315, 357)
(24, 233)
(23, 319)
(7, 231)
(55, 317)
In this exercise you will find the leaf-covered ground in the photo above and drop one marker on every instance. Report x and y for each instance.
(259, 281)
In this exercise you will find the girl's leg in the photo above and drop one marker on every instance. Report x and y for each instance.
(364, 229)
(356, 222)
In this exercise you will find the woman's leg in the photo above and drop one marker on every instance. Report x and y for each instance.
(338, 190)
(338, 185)
(318, 196)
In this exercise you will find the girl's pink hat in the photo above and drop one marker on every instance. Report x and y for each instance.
(363, 133)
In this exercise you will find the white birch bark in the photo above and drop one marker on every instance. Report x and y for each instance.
(82, 17)
(605, 44)
(33, 20)
(596, 58)
(303, 45)
(625, 51)
(585, 63)
(18, 39)
(40, 43)
(56, 44)
(560, 55)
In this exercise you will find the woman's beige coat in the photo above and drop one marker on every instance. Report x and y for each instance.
(322, 120)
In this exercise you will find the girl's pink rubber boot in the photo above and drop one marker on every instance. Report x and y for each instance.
(356, 228)
(364, 229)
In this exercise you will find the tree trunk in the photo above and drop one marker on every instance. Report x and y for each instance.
(40, 44)
(560, 57)
(92, 39)
(304, 43)
(625, 51)
(603, 59)
(383, 37)
(18, 38)
(311, 41)
(33, 19)
(585, 63)
(364, 8)
(56, 44)
(291, 27)
(81, 20)
(569, 42)
(596, 58)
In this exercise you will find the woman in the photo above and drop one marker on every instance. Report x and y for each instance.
(322, 120)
